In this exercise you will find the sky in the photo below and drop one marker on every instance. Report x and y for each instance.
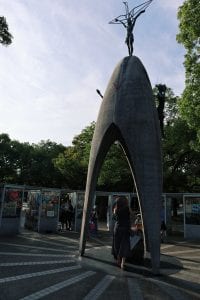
(63, 50)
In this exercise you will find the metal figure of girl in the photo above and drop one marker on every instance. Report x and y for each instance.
(129, 26)
(128, 21)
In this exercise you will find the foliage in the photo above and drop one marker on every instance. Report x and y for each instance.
(82, 143)
(53, 165)
(171, 105)
(43, 172)
(180, 160)
(22, 163)
(72, 168)
(181, 170)
(189, 36)
(7, 161)
(5, 35)
(73, 164)
(115, 174)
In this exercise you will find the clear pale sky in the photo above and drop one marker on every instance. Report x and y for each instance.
(64, 50)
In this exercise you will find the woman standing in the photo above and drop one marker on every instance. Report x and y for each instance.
(121, 235)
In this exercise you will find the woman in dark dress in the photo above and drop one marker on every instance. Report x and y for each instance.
(121, 235)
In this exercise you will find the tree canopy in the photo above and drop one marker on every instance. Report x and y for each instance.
(5, 36)
(189, 36)
(54, 165)
(180, 159)
(73, 164)
(22, 163)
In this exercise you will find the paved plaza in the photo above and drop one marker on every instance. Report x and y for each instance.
(47, 266)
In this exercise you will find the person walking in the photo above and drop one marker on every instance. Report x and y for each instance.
(69, 215)
(121, 235)
(163, 230)
(93, 226)
(62, 215)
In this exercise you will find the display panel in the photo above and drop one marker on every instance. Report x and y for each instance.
(192, 210)
(79, 205)
(12, 203)
(50, 204)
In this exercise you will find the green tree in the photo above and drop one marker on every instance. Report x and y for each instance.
(5, 36)
(42, 169)
(115, 174)
(7, 171)
(72, 167)
(82, 143)
(171, 104)
(22, 163)
(189, 36)
(180, 160)
(73, 164)
(12, 159)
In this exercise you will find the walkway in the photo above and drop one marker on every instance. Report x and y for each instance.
(38, 266)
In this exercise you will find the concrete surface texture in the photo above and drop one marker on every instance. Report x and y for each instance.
(47, 266)
(128, 115)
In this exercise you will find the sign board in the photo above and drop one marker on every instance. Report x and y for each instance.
(50, 213)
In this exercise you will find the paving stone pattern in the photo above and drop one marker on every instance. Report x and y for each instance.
(38, 266)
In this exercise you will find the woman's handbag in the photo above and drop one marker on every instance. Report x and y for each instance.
(134, 239)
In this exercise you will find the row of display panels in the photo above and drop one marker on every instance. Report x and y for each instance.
(41, 207)
(14, 200)
(36, 209)
(183, 207)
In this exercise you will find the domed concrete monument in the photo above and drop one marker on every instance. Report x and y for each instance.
(128, 115)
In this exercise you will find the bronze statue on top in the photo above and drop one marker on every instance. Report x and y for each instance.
(128, 21)
(129, 26)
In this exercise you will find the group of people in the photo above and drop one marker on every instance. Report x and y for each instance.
(122, 227)
(66, 217)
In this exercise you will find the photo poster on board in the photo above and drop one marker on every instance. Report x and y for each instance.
(12, 203)
(50, 204)
(192, 210)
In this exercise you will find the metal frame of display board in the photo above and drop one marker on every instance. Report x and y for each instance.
(191, 231)
(10, 224)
